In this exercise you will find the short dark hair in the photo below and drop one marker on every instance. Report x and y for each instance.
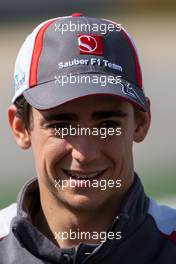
(23, 111)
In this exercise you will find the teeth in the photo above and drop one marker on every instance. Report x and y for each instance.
(83, 176)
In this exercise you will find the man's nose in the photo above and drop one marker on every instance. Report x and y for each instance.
(85, 149)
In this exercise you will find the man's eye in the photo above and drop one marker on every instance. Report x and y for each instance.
(109, 124)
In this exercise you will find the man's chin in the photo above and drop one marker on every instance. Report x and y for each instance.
(80, 201)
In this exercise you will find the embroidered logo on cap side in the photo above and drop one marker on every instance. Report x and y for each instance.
(90, 44)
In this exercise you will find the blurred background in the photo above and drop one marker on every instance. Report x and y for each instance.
(153, 27)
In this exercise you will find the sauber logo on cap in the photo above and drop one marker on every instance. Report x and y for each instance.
(90, 44)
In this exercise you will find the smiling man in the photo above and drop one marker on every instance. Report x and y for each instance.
(86, 205)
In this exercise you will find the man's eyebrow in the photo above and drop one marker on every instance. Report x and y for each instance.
(108, 114)
(60, 117)
(74, 117)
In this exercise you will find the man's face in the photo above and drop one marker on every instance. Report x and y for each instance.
(84, 156)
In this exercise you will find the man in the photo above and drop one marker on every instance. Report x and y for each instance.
(79, 103)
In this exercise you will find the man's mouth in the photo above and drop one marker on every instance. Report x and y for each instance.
(82, 176)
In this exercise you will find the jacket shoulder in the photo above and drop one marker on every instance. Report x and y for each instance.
(6, 215)
(165, 219)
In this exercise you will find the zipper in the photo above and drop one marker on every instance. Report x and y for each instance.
(98, 250)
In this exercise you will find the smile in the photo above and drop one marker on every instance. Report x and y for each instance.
(80, 176)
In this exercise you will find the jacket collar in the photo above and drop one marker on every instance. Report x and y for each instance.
(133, 209)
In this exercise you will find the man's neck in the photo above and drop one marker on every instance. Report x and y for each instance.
(57, 223)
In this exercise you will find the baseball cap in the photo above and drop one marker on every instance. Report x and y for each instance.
(66, 58)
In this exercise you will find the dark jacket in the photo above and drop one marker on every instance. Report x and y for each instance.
(148, 234)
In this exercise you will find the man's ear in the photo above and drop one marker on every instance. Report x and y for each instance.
(143, 120)
(19, 131)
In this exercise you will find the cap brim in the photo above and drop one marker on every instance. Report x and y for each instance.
(52, 94)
